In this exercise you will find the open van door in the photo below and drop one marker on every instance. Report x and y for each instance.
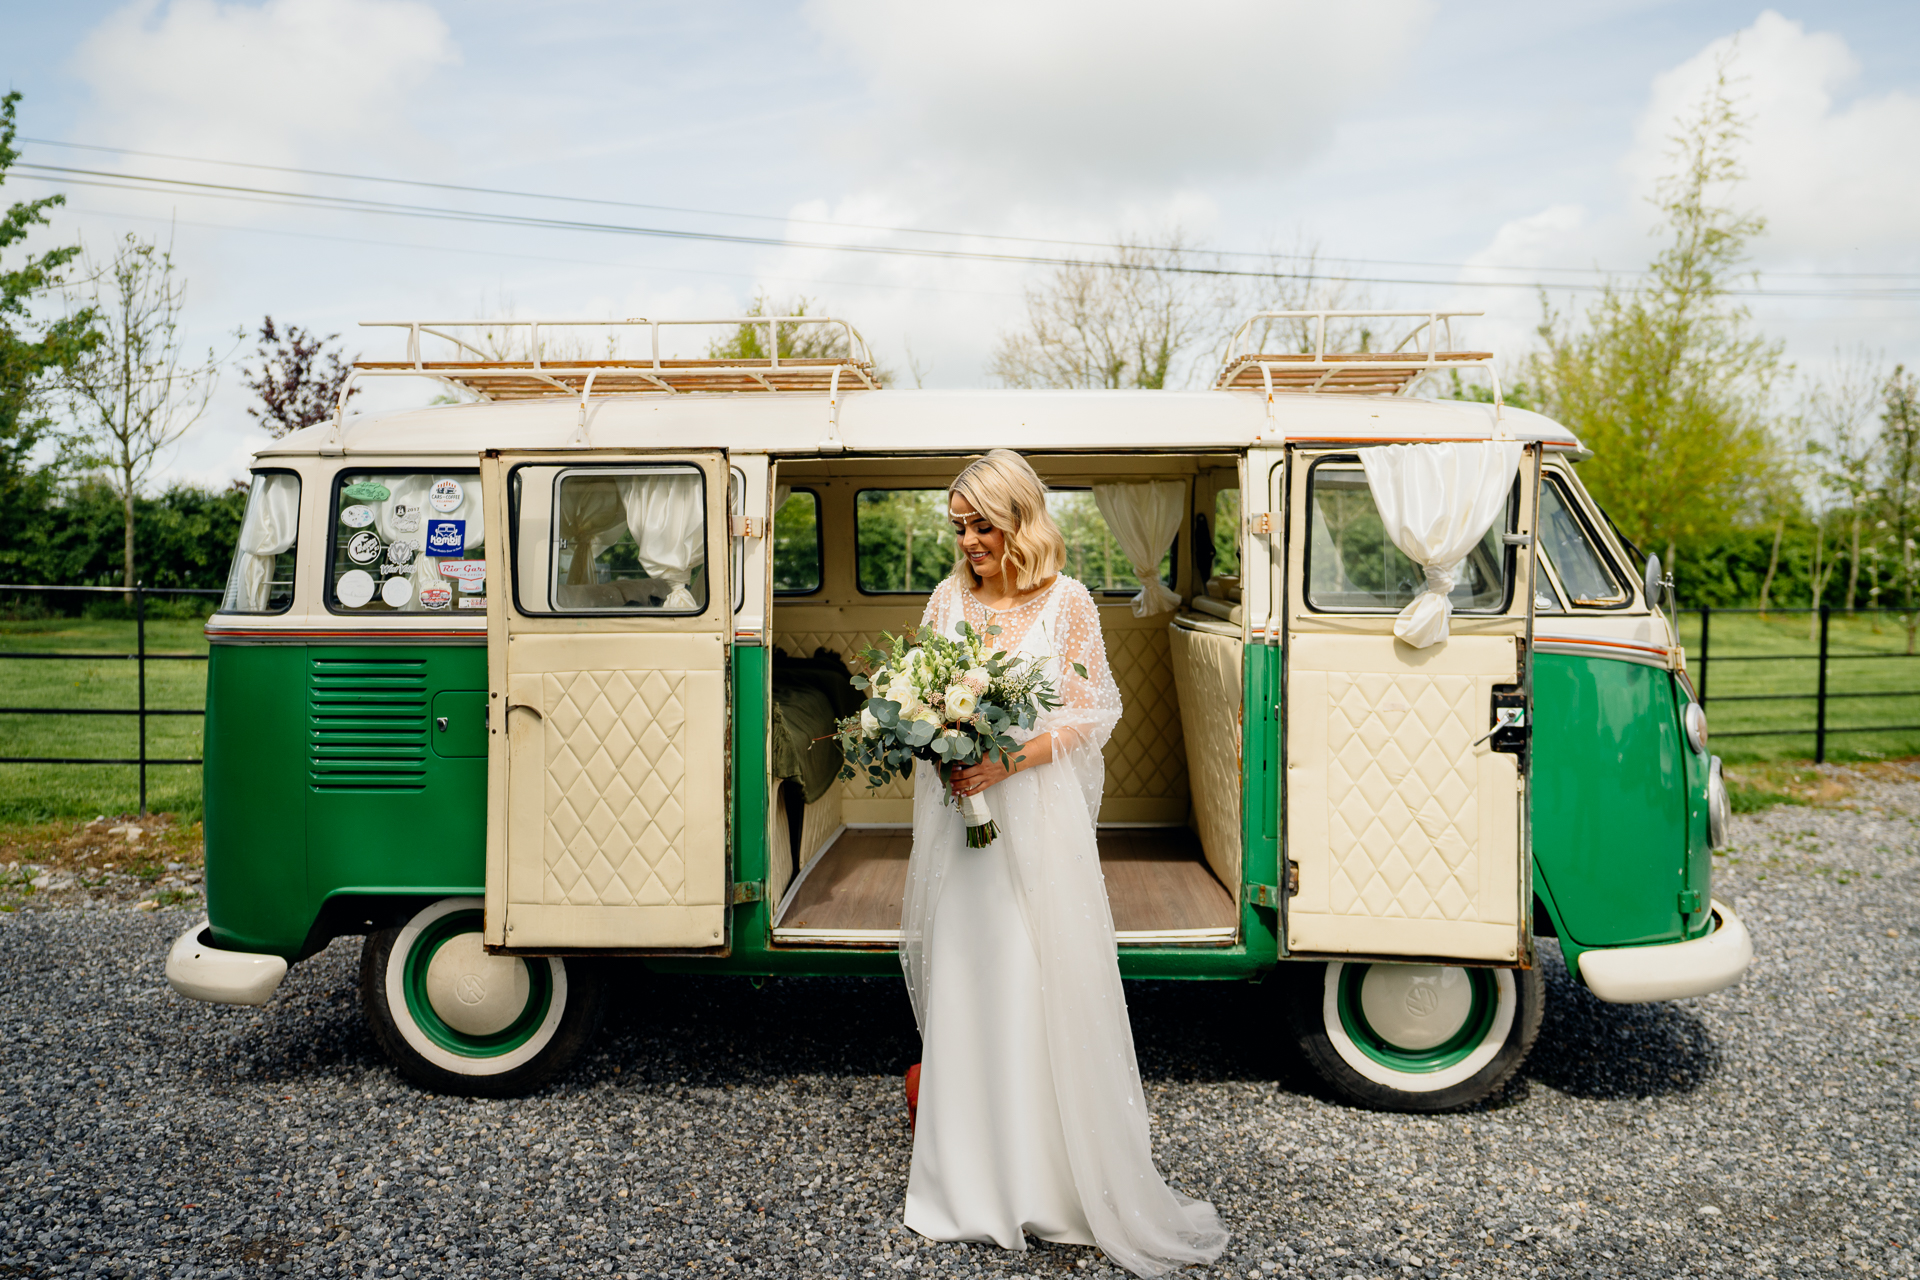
(1405, 807)
(609, 625)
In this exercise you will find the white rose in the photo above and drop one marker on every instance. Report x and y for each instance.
(868, 725)
(903, 692)
(961, 702)
(926, 715)
(977, 679)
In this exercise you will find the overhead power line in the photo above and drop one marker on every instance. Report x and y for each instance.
(357, 204)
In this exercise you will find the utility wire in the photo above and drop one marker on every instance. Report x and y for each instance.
(898, 230)
(355, 204)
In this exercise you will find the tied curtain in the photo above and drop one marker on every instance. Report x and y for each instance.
(1436, 502)
(666, 518)
(1145, 519)
(268, 530)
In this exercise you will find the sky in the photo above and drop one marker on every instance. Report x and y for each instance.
(1439, 155)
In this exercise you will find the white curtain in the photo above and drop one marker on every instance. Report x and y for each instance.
(667, 521)
(1145, 519)
(1437, 501)
(267, 530)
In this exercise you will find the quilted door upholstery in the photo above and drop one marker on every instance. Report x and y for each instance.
(1406, 832)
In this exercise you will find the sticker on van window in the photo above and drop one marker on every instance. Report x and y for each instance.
(354, 589)
(357, 517)
(397, 591)
(447, 495)
(367, 491)
(364, 547)
(400, 552)
(471, 574)
(446, 537)
(435, 597)
(405, 518)
(473, 602)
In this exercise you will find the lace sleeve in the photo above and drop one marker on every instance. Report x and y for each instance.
(936, 611)
(1090, 704)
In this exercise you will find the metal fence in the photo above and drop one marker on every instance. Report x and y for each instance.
(139, 657)
(1834, 679)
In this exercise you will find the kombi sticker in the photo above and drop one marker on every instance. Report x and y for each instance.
(354, 589)
(446, 537)
(446, 495)
(434, 597)
(471, 574)
(397, 591)
(364, 547)
(367, 491)
(358, 516)
(406, 518)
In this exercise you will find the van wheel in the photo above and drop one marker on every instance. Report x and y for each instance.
(1414, 1037)
(455, 1019)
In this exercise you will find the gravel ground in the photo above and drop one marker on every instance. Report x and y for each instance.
(722, 1130)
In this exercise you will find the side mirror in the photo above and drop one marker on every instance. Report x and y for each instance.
(1651, 582)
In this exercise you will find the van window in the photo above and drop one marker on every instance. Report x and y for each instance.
(1583, 571)
(1226, 533)
(905, 541)
(261, 580)
(1352, 566)
(796, 544)
(630, 541)
(408, 542)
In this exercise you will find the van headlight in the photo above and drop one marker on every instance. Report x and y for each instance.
(1694, 717)
(1719, 807)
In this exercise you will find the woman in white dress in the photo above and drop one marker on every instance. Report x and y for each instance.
(1031, 1115)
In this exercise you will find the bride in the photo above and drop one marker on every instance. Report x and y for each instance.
(1031, 1115)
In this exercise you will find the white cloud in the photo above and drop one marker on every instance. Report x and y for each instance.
(277, 83)
(1126, 94)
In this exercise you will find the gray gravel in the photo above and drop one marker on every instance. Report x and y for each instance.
(723, 1130)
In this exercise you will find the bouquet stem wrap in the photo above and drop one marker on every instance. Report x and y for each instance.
(979, 819)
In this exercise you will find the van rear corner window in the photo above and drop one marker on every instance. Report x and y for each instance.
(261, 579)
(796, 544)
(408, 542)
(1353, 567)
(630, 541)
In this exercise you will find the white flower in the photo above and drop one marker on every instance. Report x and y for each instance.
(903, 692)
(977, 679)
(868, 725)
(926, 715)
(961, 702)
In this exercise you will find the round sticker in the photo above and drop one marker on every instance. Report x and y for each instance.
(367, 491)
(354, 589)
(397, 592)
(357, 517)
(364, 547)
(446, 495)
(434, 597)
(399, 551)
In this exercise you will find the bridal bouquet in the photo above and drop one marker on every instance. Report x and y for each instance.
(950, 702)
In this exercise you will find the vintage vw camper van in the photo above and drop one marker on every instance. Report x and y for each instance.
(527, 687)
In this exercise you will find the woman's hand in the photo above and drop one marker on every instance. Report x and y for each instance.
(975, 778)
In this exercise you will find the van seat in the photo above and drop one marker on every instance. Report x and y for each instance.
(1207, 675)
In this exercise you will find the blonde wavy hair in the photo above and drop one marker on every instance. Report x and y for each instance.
(1004, 489)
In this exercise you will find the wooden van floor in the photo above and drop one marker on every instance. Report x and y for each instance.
(1158, 884)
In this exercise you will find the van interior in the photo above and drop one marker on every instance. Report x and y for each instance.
(858, 545)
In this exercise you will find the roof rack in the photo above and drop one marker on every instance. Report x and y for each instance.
(535, 376)
(1354, 373)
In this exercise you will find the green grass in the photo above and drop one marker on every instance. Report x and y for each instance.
(41, 792)
(1874, 688)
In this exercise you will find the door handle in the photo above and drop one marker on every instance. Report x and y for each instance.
(441, 724)
(1504, 718)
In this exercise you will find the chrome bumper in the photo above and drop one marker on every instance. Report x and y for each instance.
(1671, 970)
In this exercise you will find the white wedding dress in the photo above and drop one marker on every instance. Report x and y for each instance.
(1031, 1115)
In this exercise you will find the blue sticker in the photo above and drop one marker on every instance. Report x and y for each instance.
(446, 537)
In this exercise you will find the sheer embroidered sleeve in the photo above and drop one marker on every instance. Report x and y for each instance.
(1090, 703)
(937, 604)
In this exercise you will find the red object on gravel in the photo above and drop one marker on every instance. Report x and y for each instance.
(913, 1097)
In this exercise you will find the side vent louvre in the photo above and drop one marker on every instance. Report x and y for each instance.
(367, 724)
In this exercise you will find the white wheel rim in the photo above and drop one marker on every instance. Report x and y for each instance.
(1417, 1081)
(418, 1040)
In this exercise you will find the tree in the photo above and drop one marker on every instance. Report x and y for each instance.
(1898, 493)
(793, 341)
(133, 395)
(1843, 449)
(30, 355)
(1664, 380)
(296, 386)
(1126, 322)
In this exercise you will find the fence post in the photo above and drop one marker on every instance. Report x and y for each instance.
(1820, 723)
(1706, 621)
(140, 660)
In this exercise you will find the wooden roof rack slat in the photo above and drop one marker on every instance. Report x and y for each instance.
(1352, 373)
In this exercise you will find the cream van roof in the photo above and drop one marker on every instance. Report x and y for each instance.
(943, 422)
